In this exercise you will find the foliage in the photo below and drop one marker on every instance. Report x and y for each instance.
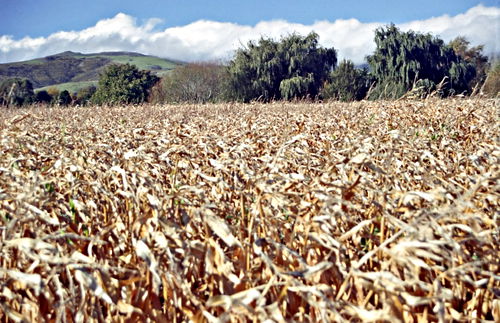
(64, 98)
(53, 91)
(84, 95)
(474, 56)
(294, 67)
(16, 92)
(403, 58)
(491, 86)
(43, 97)
(296, 87)
(194, 83)
(347, 83)
(124, 84)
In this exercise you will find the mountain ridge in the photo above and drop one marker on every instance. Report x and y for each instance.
(73, 67)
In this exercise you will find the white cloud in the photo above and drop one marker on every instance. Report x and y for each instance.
(211, 40)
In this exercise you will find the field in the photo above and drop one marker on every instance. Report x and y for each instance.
(71, 87)
(362, 212)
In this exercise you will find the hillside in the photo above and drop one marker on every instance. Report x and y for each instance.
(79, 69)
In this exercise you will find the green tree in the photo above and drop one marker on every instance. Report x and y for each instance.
(17, 92)
(403, 58)
(347, 83)
(294, 67)
(194, 83)
(126, 84)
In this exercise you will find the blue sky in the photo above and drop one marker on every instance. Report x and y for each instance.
(211, 30)
(36, 18)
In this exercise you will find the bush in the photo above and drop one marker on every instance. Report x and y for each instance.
(123, 84)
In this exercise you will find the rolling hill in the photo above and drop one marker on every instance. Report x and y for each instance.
(71, 71)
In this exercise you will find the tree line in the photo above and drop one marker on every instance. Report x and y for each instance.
(293, 68)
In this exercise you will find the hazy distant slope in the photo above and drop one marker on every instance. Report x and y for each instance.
(70, 67)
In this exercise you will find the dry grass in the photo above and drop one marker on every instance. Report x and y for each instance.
(374, 211)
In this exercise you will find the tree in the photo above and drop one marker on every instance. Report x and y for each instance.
(194, 83)
(17, 92)
(126, 84)
(347, 83)
(294, 67)
(84, 95)
(403, 58)
(64, 98)
(491, 86)
(474, 56)
(43, 97)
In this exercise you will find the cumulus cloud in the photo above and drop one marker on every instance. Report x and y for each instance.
(211, 40)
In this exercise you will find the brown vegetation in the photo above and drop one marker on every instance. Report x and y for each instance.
(370, 211)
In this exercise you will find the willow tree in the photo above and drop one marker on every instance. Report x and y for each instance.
(294, 67)
(347, 83)
(401, 59)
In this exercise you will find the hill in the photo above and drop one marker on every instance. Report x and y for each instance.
(70, 70)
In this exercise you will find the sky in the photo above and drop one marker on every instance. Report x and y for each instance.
(212, 30)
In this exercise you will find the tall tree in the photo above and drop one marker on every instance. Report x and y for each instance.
(123, 84)
(403, 58)
(294, 67)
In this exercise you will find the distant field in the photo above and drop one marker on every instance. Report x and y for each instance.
(71, 87)
(143, 62)
(370, 211)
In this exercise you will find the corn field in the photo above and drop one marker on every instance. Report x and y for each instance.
(283, 212)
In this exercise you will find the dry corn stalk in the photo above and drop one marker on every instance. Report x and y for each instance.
(371, 211)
